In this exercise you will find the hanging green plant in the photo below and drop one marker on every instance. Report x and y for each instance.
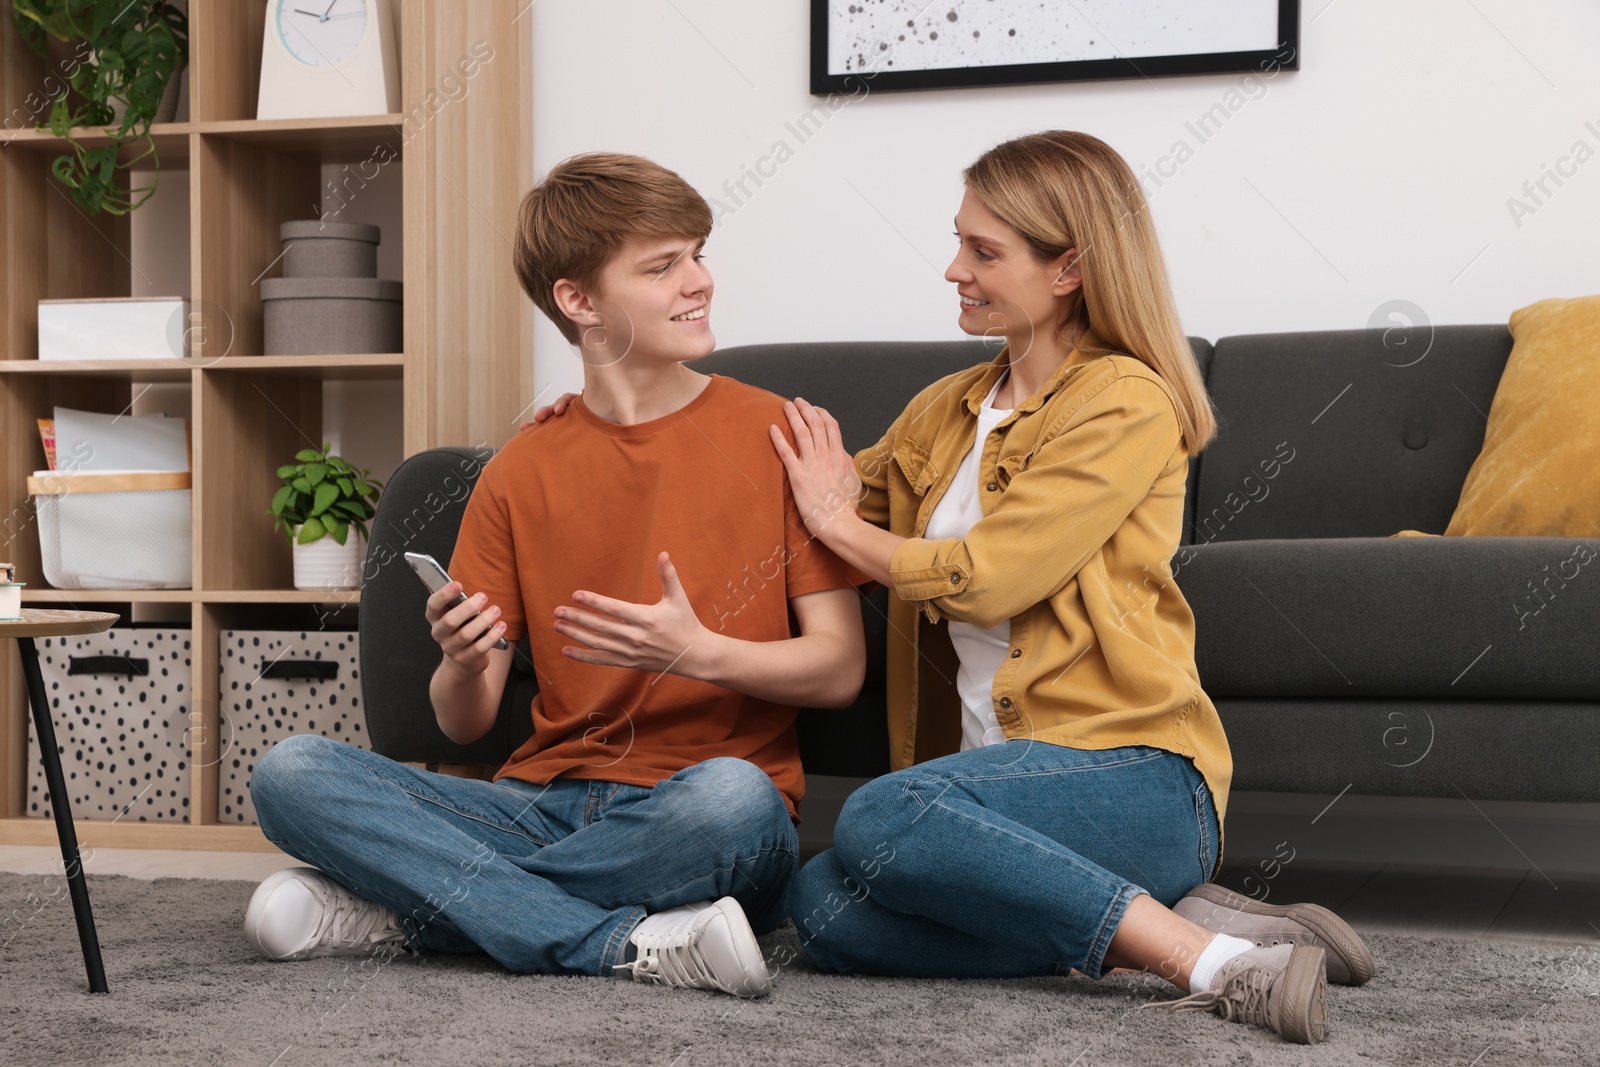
(135, 49)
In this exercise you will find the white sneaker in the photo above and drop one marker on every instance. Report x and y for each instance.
(300, 912)
(708, 945)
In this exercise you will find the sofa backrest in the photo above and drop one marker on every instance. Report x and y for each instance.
(862, 384)
(866, 384)
(1343, 433)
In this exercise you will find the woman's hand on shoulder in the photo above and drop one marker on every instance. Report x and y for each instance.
(557, 408)
(822, 475)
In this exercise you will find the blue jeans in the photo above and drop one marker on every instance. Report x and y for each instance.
(999, 862)
(546, 879)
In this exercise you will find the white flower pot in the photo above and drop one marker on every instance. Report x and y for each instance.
(326, 564)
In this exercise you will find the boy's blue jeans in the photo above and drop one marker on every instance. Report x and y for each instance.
(1004, 861)
(546, 879)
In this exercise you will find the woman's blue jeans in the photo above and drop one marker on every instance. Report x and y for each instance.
(1004, 861)
(546, 879)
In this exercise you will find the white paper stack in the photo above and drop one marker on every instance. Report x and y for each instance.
(92, 441)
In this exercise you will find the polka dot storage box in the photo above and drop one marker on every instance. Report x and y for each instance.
(119, 700)
(276, 683)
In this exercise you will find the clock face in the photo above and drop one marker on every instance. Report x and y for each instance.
(321, 33)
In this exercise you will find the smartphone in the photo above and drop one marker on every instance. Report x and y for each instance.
(435, 578)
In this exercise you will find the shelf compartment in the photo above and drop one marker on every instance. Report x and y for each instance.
(249, 424)
(244, 195)
(56, 251)
(25, 398)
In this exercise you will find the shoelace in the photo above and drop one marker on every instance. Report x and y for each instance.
(349, 921)
(671, 960)
(1243, 996)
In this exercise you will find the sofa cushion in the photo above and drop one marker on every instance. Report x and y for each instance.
(1479, 749)
(1539, 472)
(1344, 433)
(1463, 618)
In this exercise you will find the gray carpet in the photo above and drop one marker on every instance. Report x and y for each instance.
(185, 989)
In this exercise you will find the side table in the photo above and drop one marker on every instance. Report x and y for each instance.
(50, 622)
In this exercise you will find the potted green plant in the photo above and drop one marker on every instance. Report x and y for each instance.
(322, 499)
(135, 51)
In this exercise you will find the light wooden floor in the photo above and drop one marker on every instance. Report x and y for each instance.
(1379, 897)
(148, 863)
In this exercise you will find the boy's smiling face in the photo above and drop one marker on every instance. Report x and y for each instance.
(653, 301)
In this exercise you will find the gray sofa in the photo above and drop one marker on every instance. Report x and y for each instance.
(1340, 658)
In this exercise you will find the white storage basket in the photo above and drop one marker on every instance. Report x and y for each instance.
(115, 529)
(119, 702)
(276, 683)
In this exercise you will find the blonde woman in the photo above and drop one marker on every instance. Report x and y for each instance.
(1061, 775)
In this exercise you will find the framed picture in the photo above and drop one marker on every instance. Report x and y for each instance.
(945, 44)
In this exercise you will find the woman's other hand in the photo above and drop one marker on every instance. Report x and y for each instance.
(558, 408)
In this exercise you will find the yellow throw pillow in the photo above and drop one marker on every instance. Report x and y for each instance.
(1538, 474)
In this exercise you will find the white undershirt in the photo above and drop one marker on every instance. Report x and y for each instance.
(981, 651)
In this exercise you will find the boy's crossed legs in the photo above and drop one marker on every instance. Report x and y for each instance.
(554, 879)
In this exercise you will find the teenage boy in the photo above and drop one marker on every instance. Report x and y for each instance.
(652, 552)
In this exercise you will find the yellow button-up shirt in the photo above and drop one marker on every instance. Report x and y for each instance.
(1082, 489)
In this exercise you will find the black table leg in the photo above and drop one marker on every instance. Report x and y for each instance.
(61, 807)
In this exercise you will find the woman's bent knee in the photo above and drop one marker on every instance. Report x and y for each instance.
(870, 821)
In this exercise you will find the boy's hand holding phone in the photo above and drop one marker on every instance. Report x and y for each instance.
(467, 632)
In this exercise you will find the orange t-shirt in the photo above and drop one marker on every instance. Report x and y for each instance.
(581, 503)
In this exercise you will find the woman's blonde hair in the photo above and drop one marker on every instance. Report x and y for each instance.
(1061, 189)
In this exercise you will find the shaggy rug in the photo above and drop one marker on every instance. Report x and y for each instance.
(186, 989)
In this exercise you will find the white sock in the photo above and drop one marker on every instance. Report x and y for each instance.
(1220, 950)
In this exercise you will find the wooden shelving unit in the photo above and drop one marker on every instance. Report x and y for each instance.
(465, 159)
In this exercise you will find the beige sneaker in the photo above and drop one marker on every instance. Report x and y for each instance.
(1283, 989)
(1223, 911)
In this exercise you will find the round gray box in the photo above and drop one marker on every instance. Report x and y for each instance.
(331, 316)
(317, 249)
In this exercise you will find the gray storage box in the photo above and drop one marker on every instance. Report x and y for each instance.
(317, 249)
(331, 316)
(119, 701)
(276, 683)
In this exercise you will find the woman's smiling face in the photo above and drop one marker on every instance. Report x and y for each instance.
(1004, 288)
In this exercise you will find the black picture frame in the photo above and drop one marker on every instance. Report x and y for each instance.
(1286, 57)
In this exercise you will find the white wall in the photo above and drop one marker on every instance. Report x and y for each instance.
(1381, 170)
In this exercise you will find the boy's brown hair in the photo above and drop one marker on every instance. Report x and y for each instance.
(573, 222)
